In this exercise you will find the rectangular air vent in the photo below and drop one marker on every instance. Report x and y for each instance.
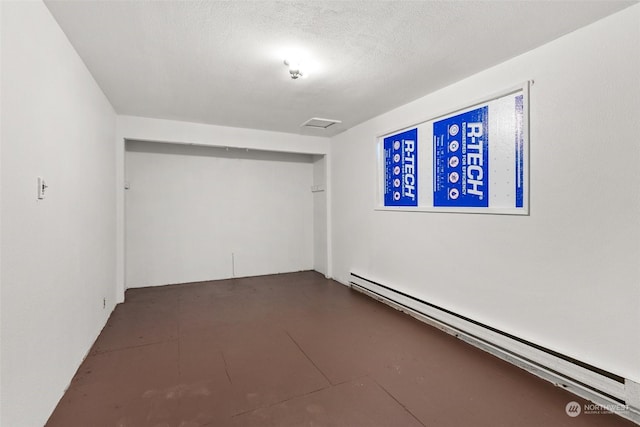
(319, 123)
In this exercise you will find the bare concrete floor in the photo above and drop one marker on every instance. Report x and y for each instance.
(294, 350)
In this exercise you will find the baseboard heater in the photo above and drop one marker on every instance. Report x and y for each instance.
(608, 390)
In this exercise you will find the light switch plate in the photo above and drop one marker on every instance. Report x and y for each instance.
(42, 185)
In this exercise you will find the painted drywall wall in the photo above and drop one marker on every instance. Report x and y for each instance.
(148, 129)
(320, 215)
(1, 9)
(197, 213)
(565, 277)
(169, 131)
(58, 254)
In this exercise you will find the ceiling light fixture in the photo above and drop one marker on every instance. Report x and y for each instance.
(294, 68)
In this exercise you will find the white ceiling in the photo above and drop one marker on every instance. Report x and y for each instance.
(221, 62)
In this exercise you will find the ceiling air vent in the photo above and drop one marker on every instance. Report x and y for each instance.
(318, 123)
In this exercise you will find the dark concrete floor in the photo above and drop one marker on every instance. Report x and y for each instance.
(294, 350)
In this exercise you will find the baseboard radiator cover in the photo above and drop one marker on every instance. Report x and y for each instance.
(608, 390)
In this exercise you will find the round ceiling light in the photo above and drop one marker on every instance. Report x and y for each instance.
(295, 71)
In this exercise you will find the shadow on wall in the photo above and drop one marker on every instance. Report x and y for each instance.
(219, 152)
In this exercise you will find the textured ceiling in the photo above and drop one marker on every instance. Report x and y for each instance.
(221, 62)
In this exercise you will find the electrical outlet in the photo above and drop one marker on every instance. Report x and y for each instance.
(104, 303)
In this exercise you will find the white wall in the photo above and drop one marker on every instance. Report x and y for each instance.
(320, 215)
(147, 129)
(198, 213)
(170, 131)
(567, 276)
(1, 120)
(58, 254)
(1, 117)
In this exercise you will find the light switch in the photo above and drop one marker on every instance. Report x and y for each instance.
(42, 186)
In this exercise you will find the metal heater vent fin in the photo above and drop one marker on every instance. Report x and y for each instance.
(319, 123)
